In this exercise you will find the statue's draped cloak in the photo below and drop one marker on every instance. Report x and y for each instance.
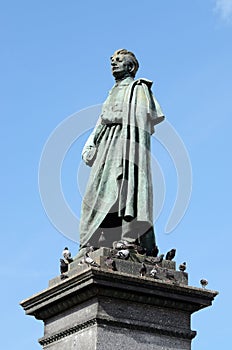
(120, 180)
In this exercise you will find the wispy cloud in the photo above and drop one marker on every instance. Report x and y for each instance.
(224, 8)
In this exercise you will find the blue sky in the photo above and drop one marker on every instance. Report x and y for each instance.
(55, 62)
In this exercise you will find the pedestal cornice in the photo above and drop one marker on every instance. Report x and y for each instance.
(96, 282)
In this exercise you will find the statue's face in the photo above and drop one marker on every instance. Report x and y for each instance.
(120, 66)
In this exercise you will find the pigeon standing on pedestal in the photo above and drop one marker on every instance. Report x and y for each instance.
(143, 270)
(63, 266)
(203, 283)
(153, 272)
(63, 269)
(67, 255)
(140, 250)
(122, 245)
(89, 261)
(182, 267)
(118, 245)
(155, 251)
(123, 254)
(171, 254)
(64, 263)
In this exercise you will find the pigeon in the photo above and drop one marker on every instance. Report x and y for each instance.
(119, 245)
(182, 267)
(143, 270)
(123, 254)
(171, 254)
(63, 266)
(63, 269)
(122, 245)
(203, 283)
(67, 255)
(155, 250)
(153, 272)
(140, 250)
(89, 261)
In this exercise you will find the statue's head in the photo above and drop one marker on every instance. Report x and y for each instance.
(124, 64)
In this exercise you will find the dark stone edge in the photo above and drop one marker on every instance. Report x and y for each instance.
(75, 290)
(91, 273)
(99, 321)
(64, 333)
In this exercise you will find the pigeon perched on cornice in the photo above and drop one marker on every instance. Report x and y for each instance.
(63, 269)
(182, 267)
(155, 250)
(140, 250)
(67, 255)
(171, 254)
(143, 270)
(122, 245)
(63, 266)
(89, 261)
(118, 245)
(123, 254)
(203, 283)
(153, 272)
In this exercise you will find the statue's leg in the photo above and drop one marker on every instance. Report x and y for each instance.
(111, 227)
(139, 231)
(147, 240)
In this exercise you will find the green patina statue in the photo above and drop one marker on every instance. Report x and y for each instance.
(118, 202)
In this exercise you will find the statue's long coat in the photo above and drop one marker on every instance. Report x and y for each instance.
(121, 172)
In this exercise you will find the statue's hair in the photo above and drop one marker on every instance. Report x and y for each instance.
(131, 58)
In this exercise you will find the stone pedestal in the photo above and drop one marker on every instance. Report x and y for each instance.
(96, 308)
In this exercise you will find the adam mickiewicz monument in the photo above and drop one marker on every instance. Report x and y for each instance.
(119, 198)
(128, 297)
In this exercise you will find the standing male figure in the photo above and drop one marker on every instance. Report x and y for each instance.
(119, 197)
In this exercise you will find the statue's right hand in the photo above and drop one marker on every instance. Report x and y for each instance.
(89, 155)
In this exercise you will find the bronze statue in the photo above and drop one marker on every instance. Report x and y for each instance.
(118, 203)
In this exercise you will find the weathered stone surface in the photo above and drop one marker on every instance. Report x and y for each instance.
(96, 308)
(166, 269)
(120, 339)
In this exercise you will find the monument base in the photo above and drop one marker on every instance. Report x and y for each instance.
(96, 308)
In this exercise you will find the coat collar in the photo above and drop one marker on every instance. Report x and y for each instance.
(125, 82)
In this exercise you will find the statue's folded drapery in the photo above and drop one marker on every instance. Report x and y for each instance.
(119, 194)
